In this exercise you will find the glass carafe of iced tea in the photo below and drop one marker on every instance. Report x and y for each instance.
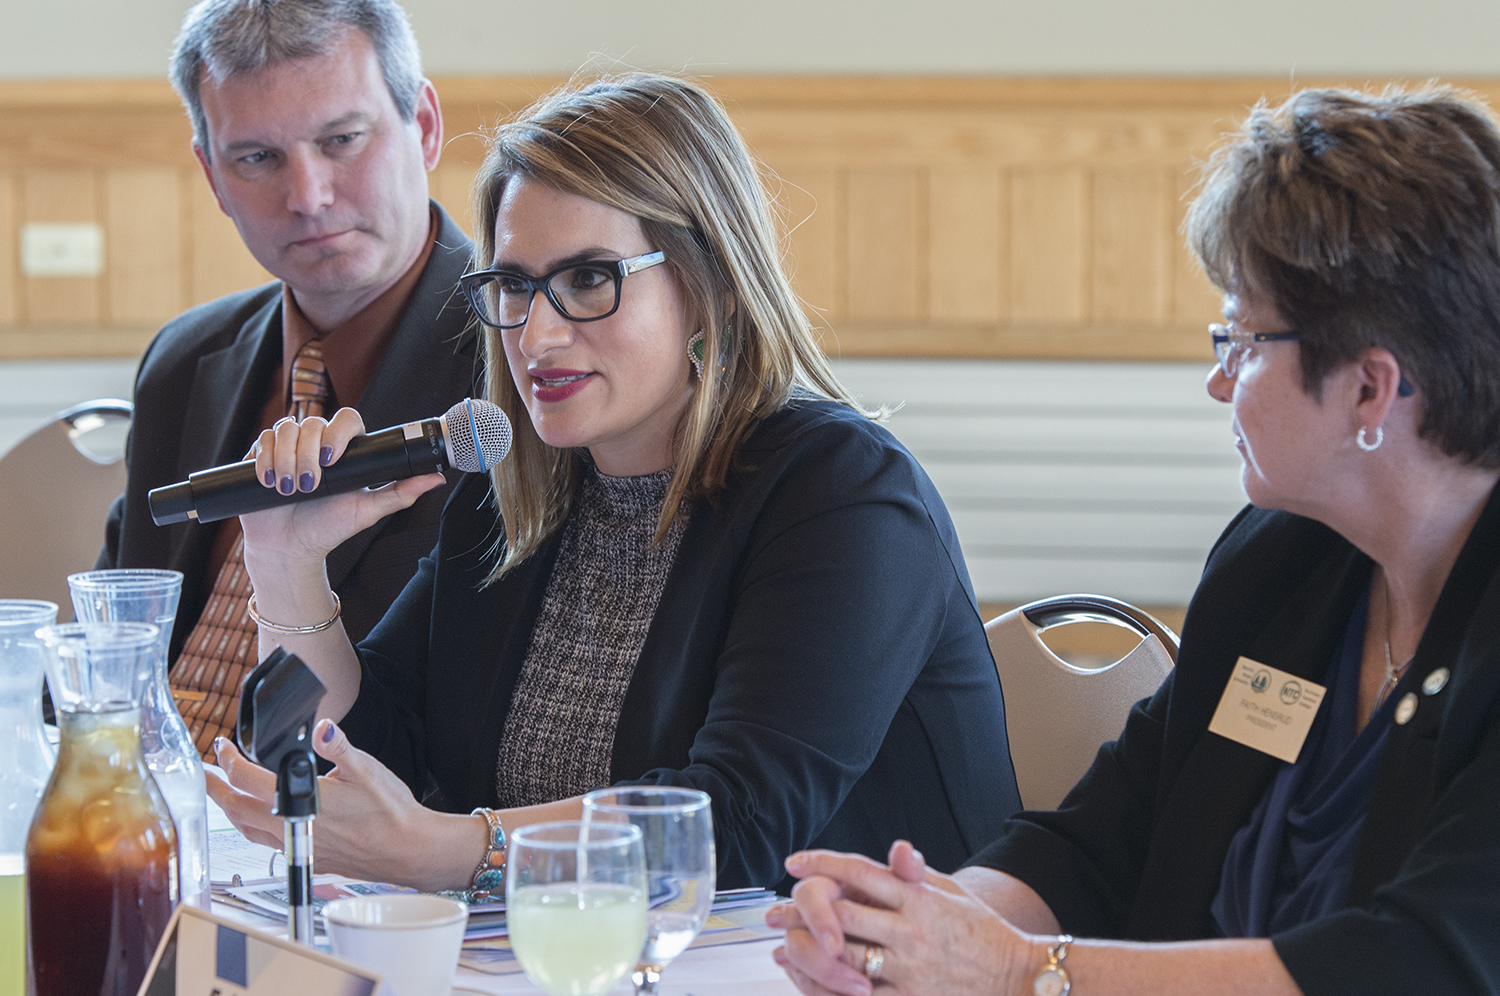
(151, 597)
(25, 766)
(101, 857)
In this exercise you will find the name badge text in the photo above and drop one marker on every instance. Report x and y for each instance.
(1267, 709)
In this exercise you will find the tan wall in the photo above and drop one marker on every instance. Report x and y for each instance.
(930, 217)
(112, 39)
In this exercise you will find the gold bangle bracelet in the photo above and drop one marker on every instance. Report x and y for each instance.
(259, 620)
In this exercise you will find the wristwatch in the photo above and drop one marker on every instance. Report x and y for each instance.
(1053, 979)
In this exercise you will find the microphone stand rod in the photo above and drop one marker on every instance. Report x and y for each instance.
(299, 911)
(297, 803)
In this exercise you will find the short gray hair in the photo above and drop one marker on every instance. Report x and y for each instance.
(226, 37)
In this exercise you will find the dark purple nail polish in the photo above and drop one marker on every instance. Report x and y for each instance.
(328, 734)
(305, 482)
(270, 478)
(287, 487)
(325, 456)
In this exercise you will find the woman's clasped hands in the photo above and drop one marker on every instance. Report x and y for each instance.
(854, 924)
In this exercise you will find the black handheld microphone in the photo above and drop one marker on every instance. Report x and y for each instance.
(472, 437)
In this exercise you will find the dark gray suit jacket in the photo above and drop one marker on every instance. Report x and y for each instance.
(198, 396)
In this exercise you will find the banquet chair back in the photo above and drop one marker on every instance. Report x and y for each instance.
(56, 486)
(1057, 714)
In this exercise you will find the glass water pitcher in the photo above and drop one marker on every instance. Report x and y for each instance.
(101, 857)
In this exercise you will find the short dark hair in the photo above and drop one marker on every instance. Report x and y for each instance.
(227, 37)
(1371, 220)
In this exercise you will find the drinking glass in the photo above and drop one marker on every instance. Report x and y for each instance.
(26, 760)
(147, 596)
(677, 833)
(575, 898)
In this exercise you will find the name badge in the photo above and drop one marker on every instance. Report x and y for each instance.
(1267, 709)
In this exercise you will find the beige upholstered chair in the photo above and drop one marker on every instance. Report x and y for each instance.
(1057, 715)
(56, 486)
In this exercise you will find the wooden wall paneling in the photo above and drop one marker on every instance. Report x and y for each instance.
(1049, 243)
(1195, 300)
(144, 234)
(1220, 95)
(1015, 136)
(220, 262)
(450, 186)
(968, 260)
(807, 199)
(451, 183)
(886, 183)
(61, 195)
(10, 265)
(1132, 261)
(884, 233)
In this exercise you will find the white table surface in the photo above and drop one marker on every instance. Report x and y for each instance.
(743, 969)
(724, 970)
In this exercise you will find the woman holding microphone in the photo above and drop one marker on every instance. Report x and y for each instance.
(702, 564)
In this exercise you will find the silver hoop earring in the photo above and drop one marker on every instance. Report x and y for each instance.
(1366, 445)
(695, 351)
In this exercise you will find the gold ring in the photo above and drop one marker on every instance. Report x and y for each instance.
(874, 960)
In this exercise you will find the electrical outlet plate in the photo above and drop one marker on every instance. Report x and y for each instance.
(62, 250)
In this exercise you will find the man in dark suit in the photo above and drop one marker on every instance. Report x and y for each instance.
(315, 129)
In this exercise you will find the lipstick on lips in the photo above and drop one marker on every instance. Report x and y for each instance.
(557, 385)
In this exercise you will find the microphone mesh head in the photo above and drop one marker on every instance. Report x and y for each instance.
(478, 433)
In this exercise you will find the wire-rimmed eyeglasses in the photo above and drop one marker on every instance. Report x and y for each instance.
(1230, 343)
(581, 292)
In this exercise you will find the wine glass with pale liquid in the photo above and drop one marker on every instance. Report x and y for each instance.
(677, 833)
(575, 897)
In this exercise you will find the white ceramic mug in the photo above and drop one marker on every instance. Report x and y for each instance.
(412, 941)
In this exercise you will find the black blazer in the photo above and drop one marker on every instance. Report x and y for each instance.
(1137, 848)
(816, 664)
(198, 396)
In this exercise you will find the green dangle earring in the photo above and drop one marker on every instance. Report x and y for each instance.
(696, 346)
(697, 350)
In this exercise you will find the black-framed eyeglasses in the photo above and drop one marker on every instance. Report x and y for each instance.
(1230, 343)
(581, 292)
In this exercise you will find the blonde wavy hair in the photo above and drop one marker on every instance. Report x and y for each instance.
(660, 148)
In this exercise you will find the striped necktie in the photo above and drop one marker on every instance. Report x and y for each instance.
(310, 388)
(220, 650)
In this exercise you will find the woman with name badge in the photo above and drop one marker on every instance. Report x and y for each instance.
(1310, 802)
(702, 564)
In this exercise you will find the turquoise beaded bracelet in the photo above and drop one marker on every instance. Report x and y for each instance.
(489, 875)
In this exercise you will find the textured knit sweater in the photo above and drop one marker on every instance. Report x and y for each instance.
(598, 607)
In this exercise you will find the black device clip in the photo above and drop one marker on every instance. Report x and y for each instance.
(278, 707)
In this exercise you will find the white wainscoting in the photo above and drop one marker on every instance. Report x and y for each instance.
(32, 391)
(1112, 478)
